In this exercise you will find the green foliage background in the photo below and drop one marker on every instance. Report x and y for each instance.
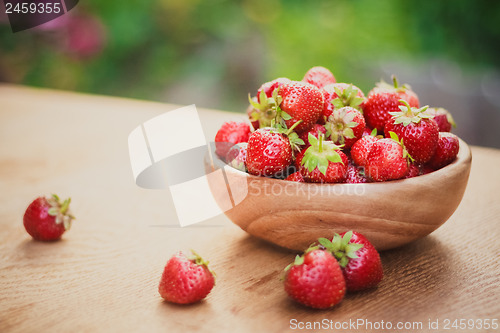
(228, 47)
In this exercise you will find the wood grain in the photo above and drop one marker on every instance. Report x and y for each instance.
(103, 275)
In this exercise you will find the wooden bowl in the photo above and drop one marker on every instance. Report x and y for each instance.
(294, 215)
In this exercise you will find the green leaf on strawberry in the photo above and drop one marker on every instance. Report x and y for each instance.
(320, 153)
(341, 247)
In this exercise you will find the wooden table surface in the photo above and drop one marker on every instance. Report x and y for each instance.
(103, 275)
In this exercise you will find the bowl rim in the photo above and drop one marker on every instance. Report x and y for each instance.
(464, 156)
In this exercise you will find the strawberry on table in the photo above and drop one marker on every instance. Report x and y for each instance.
(359, 260)
(418, 131)
(446, 151)
(323, 162)
(388, 159)
(186, 280)
(270, 150)
(315, 279)
(300, 102)
(443, 119)
(230, 134)
(345, 126)
(383, 99)
(47, 218)
(319, 76)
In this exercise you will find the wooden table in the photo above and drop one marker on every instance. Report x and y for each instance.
(103, 275)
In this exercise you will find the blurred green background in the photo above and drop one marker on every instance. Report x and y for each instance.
(214, 52)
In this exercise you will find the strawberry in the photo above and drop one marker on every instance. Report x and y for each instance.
(418, 131)
(299, 101)
(315, 279)
(186, 280)
(270, 150)
(237, 156)
(359, 260)
(316, 130)
(345, 126)
(323, 162)
(443, 118)
(387, 159)
(46, 218)
(361, 148)
(446, 151)
(263, 107)
(413, 171)
(230, 134)
(319, 76)
(384, 99)
(355, 175)
(338, 95)
(295, 177)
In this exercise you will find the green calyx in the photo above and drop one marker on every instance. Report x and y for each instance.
(340, 125)
(198, 260)
(409, 115)
(60, 210)
(406, 155)
(293, 137)
(347, 97)
(341, 247)
(320, 154)
(394, 86)
(267, 109)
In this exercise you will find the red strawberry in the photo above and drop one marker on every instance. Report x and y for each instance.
(269, 87)
(323, 162)
(230, 134)
(46, 218)
(413, 171)
(264, 105)
(295, 177)
(345, 126)
(315, 279)
(355, 175)
(384, 99)
(186, 280)
(358, 259)
(361, 148)
(300, 102)
(446, 152)
(237, 156)
(443, 119)
(299, 156)
(319, 77)
(338, 95)
(270, 150)
(387, 160)
(316, 130)
(418, 131)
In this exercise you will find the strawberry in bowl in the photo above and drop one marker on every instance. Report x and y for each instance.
(381, 179)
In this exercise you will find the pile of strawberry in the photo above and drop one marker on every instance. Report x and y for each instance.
(321, 131)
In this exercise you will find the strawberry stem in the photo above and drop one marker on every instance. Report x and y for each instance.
(320, 148)
(395, 81)
(292, 128)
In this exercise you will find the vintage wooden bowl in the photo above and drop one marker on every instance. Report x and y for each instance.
(390, 214)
